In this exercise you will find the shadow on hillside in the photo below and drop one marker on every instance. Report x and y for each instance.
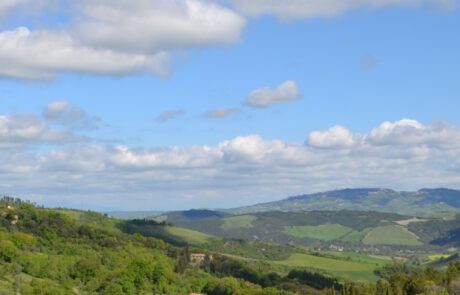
(150, 228)
(452, 238)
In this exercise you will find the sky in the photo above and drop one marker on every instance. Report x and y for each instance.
(167, 105)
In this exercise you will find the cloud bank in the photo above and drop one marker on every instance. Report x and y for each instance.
(405, 154)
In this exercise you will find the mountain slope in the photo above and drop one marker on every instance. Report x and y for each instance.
(352, 230)
(425, 202)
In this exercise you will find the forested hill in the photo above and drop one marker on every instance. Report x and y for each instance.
(60, 252)
(423, 202)
(54, 252)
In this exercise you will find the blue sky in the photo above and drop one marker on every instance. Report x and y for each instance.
(354, 66)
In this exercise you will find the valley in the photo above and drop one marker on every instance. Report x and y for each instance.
(278, 252)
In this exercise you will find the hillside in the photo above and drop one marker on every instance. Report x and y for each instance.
(425, 202)
(388, 233)
(54, 252)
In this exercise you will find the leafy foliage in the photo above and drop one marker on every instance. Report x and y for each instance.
(73, 252)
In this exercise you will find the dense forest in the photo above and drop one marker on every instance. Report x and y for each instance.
(44, 251)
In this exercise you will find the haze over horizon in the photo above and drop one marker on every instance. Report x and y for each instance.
(232, 103)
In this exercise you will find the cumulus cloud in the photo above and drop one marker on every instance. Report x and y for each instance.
(152, 26)
(20, 130)
(244, 169)
(403, 132)
(299, 9)
(265, 97)
(117, 38)
(337, 136)
(40, 55)
(169, 115)
(220, 113)
(408, 131)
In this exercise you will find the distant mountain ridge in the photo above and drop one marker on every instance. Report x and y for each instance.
(422, 202)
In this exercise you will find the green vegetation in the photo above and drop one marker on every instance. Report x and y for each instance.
(435, 257)
(426, 202)
(358, 271)
(359, 257)
(64, 252)
(252, 250)
(350, 230)
(190, 236)
(325, 232)
(391, 235)
(236, 222)
(355, 236)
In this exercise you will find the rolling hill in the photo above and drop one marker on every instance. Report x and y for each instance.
(424, 202)
(352, 230)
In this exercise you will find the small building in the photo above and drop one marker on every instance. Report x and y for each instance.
(197, 258)
(336, 248)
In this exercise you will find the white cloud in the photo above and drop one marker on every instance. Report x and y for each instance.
(245, 169)
(264, 97)
(40, 55)
(118, 37)
(122, 37)
(411, 132)
(337, 136)
(20, 130)
(299, 9)
(220, 113)
(64, 113)
(251, 148)
(151, 26)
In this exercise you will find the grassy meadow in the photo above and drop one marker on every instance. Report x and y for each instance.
(391, 235)
(327, 232)
(353, 266)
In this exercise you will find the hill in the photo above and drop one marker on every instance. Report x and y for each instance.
(425, 202)
(377, 232)
(62, 251)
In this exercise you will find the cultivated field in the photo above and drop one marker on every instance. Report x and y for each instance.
(354, 267)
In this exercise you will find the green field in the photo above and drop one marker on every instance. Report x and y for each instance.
(358, 271)
(327, 232)
(391, 235)
(236, 222)
(189, 236)
(436, 257)
(355, 236)
(362, 258)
